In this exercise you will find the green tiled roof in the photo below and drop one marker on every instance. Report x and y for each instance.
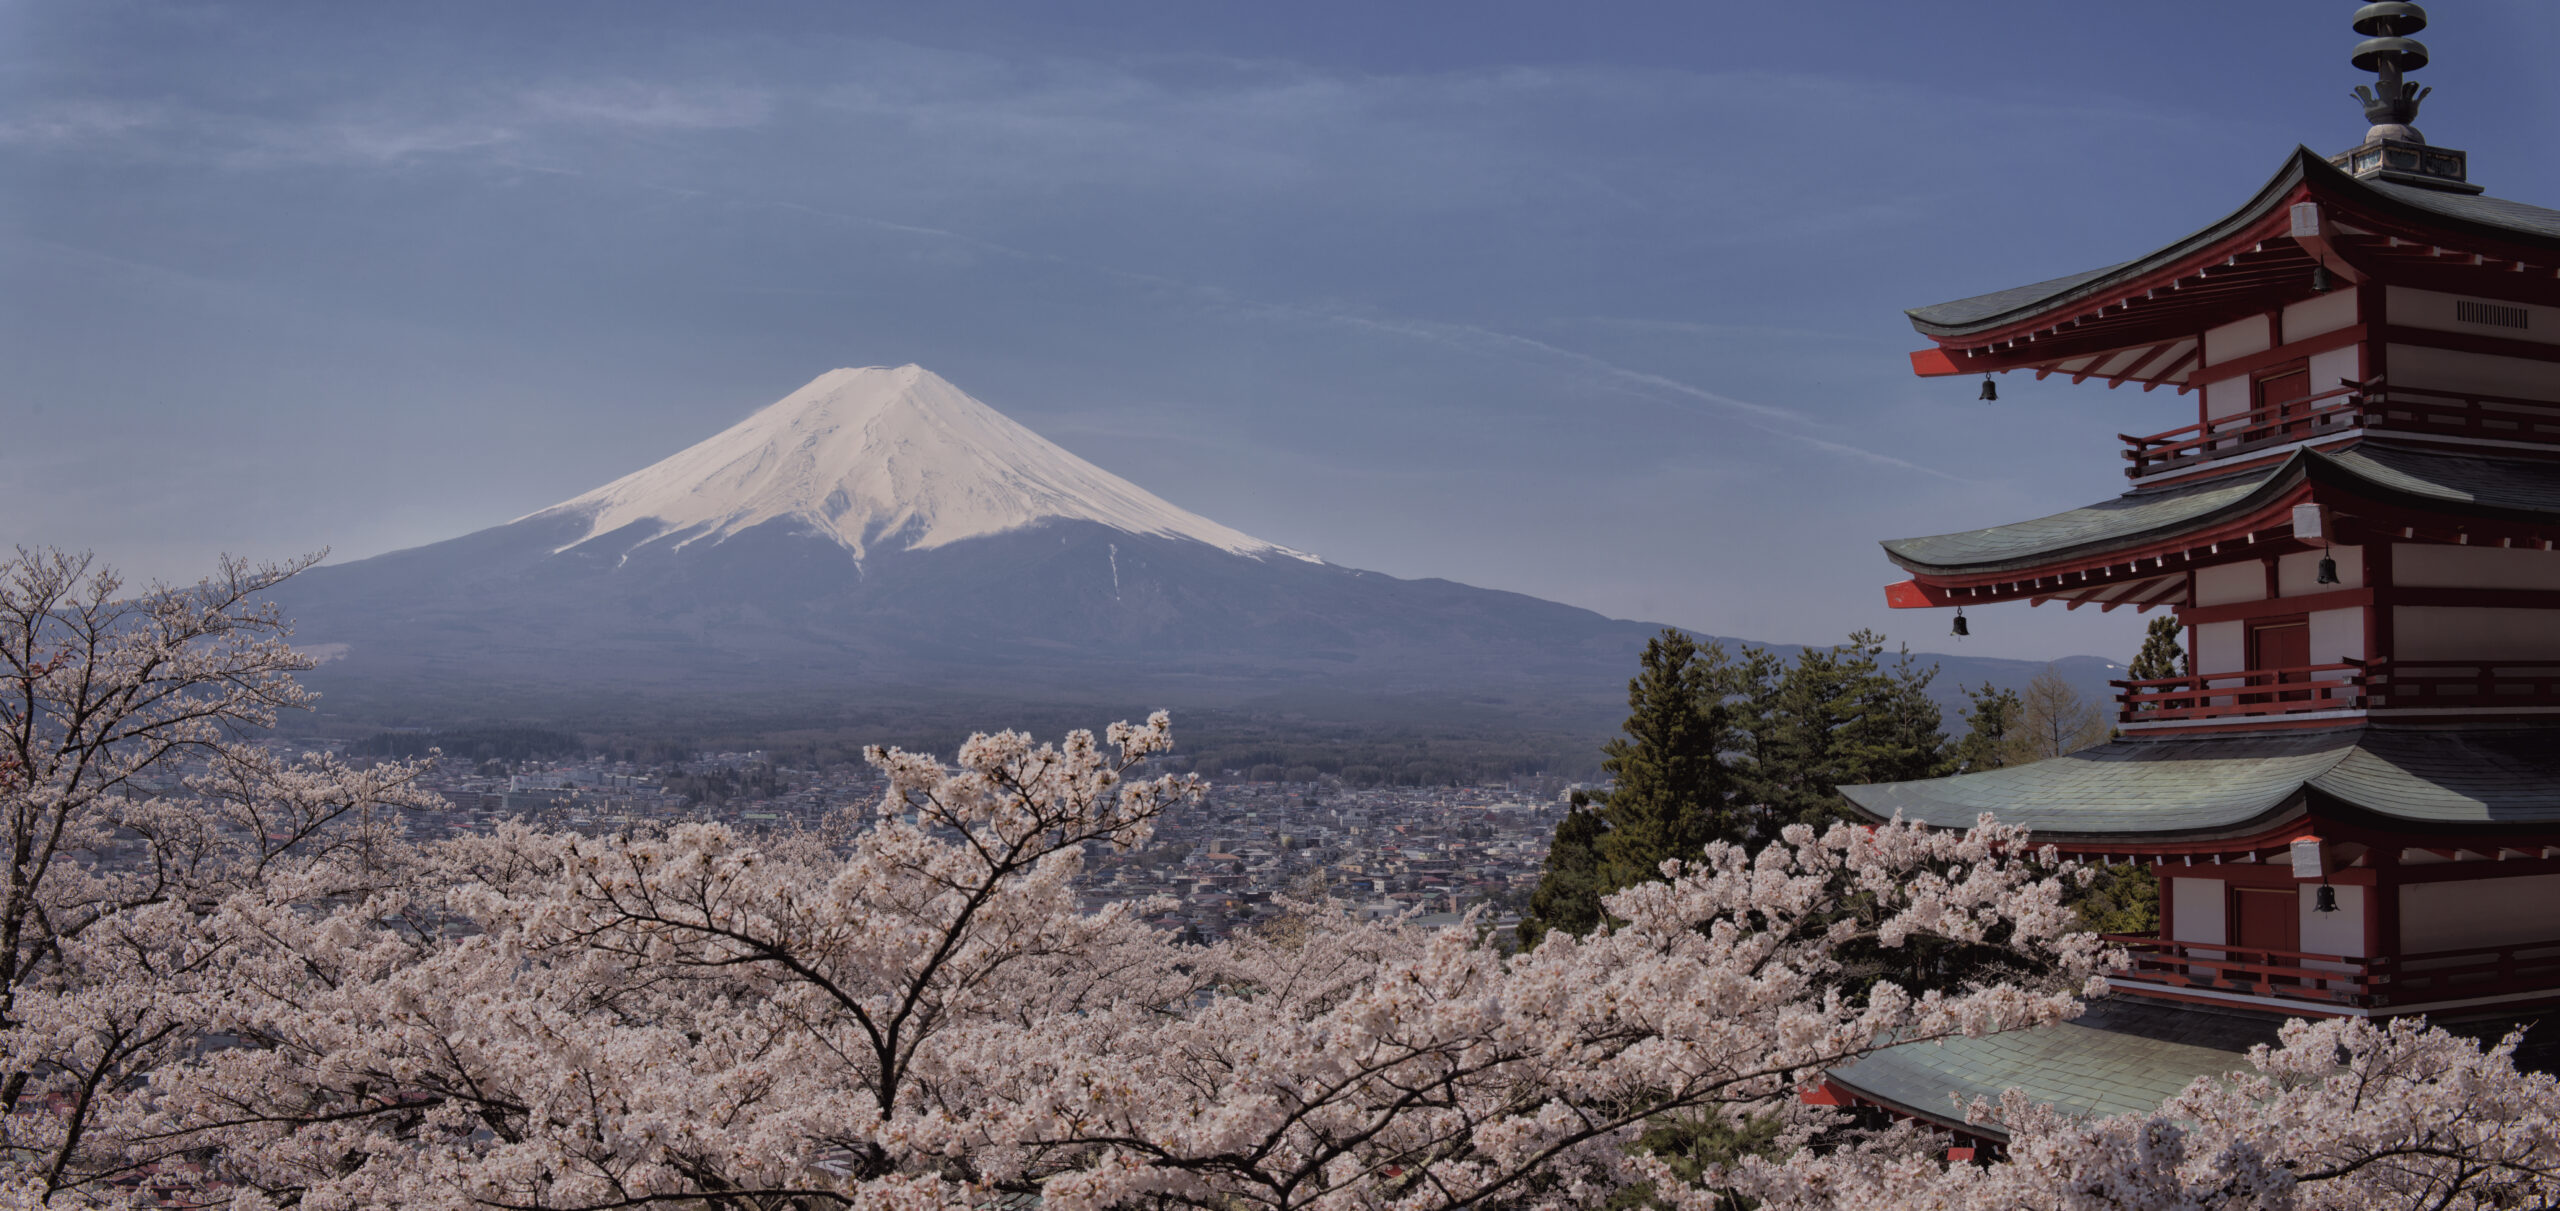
(2126, 1055)
(2496, 218)
(2127, 518)
(2520, 488)
(2155, 788)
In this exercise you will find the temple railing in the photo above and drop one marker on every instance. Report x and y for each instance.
(2340, 410)
(2306, 419)
(2462, 684)
(2343, 980)
(2242, 694)
(2462, 414)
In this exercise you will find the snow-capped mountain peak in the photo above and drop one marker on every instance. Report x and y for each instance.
(875, 456)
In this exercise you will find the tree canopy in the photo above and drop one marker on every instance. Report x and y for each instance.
(1724, 749)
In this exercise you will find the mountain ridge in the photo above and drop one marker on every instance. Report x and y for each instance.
(877, 537)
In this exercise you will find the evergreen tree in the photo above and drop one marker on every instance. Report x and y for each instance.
(2120, 898)
(2163, 654)
(2164, 651)
(1840, 717)
(1988, 724)
(1568, 893)
(1674, 792)
(1717, 749)
(1674, 786)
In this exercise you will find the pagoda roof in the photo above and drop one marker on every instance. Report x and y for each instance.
(2433, 480)
(2454, 214)
(2123, 1055)
(2136, 789)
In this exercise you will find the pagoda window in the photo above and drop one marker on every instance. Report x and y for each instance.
(2441, 312)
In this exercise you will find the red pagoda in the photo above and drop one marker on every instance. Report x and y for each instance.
(2352, 798)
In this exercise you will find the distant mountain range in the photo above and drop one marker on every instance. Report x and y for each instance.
(879, 536)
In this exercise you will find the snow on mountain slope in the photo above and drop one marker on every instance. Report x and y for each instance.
(879, 455)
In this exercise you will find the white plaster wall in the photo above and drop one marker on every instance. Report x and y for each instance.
(2417, 367)
(2227, 397)
(2239, 338)
(2465, 913)
(2474, 567)
(2298, 574)
(2433, 309)
(2223, 584)
(2333, 933)
(2221, 647)
(2336, 367)
(2336, 637)
(2474, 633)
(2195, 910)
(2321, 313)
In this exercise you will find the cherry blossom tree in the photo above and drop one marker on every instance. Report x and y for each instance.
(229, 981)
(923, 1017)
(132, 812)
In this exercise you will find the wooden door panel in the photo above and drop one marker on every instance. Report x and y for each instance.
(2266, 918)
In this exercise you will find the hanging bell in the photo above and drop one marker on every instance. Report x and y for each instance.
(2320, 279)
(2325, 900)
(2328, 569)
(1990, 390)
(1960, 631)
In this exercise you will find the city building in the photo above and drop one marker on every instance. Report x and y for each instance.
(2351, 797)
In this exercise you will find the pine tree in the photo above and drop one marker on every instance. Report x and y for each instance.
(2163, 654)
(1838, 717)
(1674, 787)
(2119, 898)
(1988, 725)
(1568, 893)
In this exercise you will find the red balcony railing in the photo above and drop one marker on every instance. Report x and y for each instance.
(2346, 980)
(2339, 410)
(2242, 694)
(2333, 411)
(2468, 685)
(2455, 414)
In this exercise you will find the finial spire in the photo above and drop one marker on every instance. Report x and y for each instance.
(2393, 150)
(2388, 51)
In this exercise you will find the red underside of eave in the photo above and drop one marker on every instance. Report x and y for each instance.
(2236, 277)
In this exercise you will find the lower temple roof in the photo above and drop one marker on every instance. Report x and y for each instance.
(2135, 789)
(2125, 1055)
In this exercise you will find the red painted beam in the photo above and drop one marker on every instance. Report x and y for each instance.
(1913, 595)
(1933, 363)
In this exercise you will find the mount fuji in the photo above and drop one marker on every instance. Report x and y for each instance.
(879, 535)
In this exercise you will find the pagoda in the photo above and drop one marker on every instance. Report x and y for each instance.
(2351, 797)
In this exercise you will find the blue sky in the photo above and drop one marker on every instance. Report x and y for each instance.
(1598, 302)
